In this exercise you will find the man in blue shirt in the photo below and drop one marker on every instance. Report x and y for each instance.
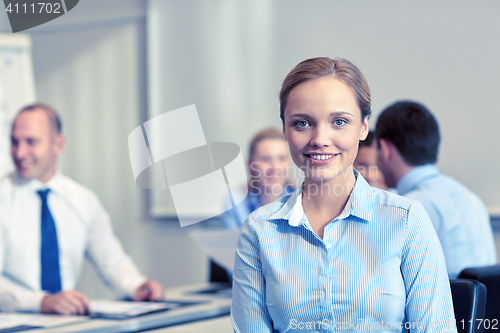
(408, 141)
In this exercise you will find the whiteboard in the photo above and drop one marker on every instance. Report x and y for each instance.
(17, 88)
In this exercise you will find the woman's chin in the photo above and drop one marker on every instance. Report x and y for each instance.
(326, 176)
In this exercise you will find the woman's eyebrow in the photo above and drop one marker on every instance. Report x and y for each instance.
(300, 115)
(332, 114)
(340, 113)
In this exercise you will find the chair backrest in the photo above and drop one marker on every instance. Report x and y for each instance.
(490, 277)
(469, 302)
(218, 273)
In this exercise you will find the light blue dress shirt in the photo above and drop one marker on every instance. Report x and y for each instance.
(233, 218)
(378, 267)
(459, 216)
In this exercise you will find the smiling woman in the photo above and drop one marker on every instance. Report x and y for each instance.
(336, 250)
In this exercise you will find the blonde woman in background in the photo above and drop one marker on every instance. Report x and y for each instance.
(269, 164)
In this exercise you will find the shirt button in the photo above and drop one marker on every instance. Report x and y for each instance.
(328, 246)
(320, 271)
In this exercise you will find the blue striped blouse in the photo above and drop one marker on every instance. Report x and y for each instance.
(379, 267)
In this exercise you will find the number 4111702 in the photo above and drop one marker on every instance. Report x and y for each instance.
(486, 323)
(39, 8)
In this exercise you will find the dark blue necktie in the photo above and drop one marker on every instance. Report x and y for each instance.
(51, 277)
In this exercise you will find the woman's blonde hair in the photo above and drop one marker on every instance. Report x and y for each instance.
(341, 69)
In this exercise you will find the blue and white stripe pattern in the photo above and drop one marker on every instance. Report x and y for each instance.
(378, 267)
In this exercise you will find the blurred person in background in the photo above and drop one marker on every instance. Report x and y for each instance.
(408, 142)
(49, 224)
(269, 165)
(366, 162)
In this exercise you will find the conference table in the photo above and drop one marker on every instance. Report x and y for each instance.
(209, 312)
(212, 325)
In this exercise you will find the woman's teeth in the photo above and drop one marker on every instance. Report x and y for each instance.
(321, 157)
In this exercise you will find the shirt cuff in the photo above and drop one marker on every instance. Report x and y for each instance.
(130, 285)
(31, 301)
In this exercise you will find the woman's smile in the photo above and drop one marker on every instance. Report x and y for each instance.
(320, 159)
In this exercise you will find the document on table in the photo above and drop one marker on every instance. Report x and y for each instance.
(222, 290)
(219, 245)
(10, 322)
(127, 309)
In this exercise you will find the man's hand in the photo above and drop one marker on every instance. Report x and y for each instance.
(67, 303)
(150, 290)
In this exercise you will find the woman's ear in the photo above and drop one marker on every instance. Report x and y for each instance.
(284, 132)
(364, 130)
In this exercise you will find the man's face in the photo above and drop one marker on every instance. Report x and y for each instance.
(366, 164)
(35, 146)
(384, 166)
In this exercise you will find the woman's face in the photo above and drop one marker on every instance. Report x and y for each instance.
(323, 127)
(270, 162)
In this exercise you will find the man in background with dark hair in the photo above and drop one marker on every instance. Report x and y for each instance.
(408, 141)
(49, 223)
(366, 162)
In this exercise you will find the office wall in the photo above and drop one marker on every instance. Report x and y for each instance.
(91, 65)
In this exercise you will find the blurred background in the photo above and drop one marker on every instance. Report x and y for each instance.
(108, 66)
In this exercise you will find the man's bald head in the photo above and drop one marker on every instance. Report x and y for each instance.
(54, 120)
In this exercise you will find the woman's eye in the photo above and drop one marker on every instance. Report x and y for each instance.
(302, 123)
(339, 122)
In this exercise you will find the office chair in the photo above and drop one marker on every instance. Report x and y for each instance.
(469, 302)
(490, 277)
(218, 273)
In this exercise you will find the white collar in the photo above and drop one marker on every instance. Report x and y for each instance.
(297, 216)
(54, 183)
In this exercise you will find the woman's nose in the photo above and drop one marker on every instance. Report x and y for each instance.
(320, 137)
